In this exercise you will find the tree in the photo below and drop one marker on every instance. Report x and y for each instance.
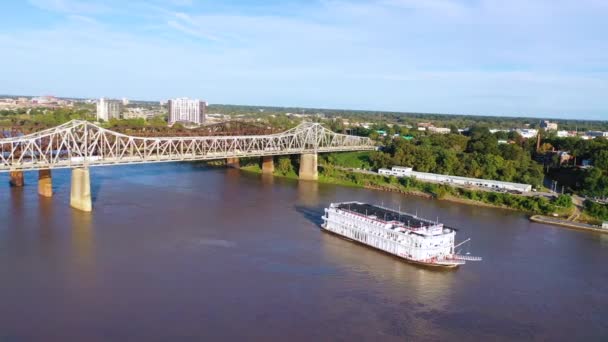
(564, 201)
(284, 166)
(511, 152)
(595, 183)
(381, 160)
(545, 147)
(446, 161)
(600, 160)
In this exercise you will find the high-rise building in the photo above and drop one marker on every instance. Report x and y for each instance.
(187, 111)
(108, 109)
(548, 125)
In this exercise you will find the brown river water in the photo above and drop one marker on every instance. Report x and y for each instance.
(180, 252)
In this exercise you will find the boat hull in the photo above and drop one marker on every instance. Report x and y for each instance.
(410, 261)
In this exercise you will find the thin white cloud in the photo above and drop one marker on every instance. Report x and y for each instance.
(83, 19)
(483, 56)
(182, 2)
(191, 30)
(70, 6)
(444, 7)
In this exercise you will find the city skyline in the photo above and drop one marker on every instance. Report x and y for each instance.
(522, 58)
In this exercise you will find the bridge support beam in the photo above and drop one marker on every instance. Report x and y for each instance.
(80, 197)
(16, 178)
(45, 183)
(233, 162)
(267, 165)
(308, 167)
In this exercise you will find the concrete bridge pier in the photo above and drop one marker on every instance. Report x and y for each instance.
(16, 178)
(233, 162)
(308, 167)
(80, 196)
(45, 183)
(267, 165)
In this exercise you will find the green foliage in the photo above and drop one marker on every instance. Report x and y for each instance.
(564, 201)
(284, 167)
(131, 123)
(538, 205)
(597, 210)
(32, 119)
(595, 183)
(477, 156)
(591, 182)
(600, 160)
(348, 159)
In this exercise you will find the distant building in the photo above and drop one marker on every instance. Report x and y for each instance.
(548, 126)
(140, 113)
(494, 130)
(108, 109)
(563, 156)
(45, 100)
(565, 134)
(527, 132)
(438, 130)
(399, 171)
(187, 111)
(596, 134)
(125, 101)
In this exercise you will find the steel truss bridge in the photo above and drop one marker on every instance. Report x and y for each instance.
(81, 144)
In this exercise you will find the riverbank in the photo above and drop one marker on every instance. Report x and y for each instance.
(567, 224)
(537, 207)
(408, 186)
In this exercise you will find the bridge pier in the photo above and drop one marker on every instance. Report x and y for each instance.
(233, 162)
(45, 183)
(80, 196)
(267, 165)
(308, 167)
(16, 178)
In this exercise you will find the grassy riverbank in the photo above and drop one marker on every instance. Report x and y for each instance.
(330, 175)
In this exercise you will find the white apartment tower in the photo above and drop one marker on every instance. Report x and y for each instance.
(187, 111)
(108, 109)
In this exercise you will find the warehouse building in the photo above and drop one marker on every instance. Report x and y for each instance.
(399, 171)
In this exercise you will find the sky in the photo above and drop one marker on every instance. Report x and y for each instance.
(538, 58)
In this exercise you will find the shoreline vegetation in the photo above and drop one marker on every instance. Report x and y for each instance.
(331, 175)
(557, 211)
(537, 208)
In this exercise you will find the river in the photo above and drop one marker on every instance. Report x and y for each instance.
(186, 252)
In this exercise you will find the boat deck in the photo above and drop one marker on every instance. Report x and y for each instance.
(385, 214)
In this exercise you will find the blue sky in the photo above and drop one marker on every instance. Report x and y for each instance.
(495, 57)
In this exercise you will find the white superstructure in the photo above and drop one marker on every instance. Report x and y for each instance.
(401, 234)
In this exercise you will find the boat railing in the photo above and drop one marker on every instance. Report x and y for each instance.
(467, 257)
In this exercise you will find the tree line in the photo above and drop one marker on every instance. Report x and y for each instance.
(478, 155)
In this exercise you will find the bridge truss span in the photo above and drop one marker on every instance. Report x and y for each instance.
(81, 144)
